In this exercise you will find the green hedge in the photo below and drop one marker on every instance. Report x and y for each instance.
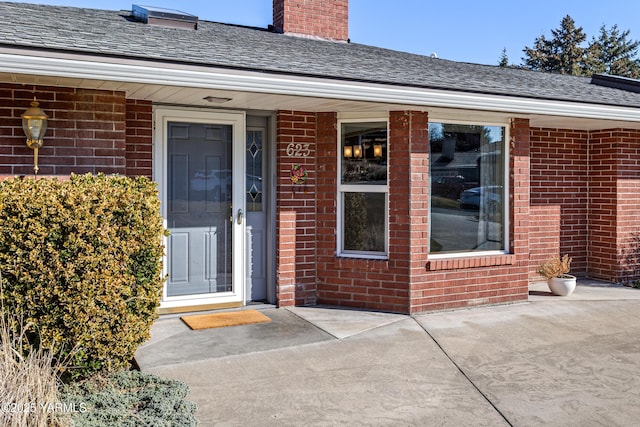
(81, 261)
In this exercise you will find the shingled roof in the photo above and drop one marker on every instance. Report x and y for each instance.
(115, 33)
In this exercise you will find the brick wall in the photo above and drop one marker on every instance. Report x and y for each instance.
(614, 205)
(366, 283)
(408, 282)
(328, 19)
(296, 205)
(139, 138)
(559, 197)
(470, 281)
(409, 202)
(86, 131)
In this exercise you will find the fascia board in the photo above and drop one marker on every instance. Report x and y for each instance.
(237, 80)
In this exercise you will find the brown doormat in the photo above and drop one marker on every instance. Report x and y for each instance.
(220, 320)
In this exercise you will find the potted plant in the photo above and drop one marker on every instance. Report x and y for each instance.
(555, 270)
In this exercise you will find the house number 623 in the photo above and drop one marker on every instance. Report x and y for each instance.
(298, 150)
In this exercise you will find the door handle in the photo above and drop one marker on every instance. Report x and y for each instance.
(240, 216)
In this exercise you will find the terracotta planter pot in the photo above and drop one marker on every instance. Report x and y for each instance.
(563, 285)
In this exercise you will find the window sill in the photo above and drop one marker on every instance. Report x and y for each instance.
(470, 262)
(363, 264)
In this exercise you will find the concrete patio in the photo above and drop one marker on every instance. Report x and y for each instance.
(554, 361)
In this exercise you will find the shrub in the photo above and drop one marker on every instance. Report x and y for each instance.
(82, 260)
(131, 398)
(555, 267)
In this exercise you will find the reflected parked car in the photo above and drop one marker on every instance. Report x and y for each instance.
(219, 180)
(472, 198)
(447, 186)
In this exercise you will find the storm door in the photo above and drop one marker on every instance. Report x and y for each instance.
(204, 207)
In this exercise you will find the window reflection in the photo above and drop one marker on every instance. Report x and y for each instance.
(364, 222)
(364, 153)
(467, 187)
(363, 189)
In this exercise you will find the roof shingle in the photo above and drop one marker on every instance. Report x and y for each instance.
(114, 33)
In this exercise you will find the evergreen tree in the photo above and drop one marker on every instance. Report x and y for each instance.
(612, 53)
(561, 54)
(504, 59)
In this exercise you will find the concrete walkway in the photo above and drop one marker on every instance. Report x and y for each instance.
(554, 361)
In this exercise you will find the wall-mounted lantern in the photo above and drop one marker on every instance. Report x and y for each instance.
(34, 124)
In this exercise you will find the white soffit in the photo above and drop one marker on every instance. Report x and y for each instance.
(156, 73)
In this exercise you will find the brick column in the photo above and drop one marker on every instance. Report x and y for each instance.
(296, 207)
(519, 183)
(614, 205)
(329, 281)
(409, 200)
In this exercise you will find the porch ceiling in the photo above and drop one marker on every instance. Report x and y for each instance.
(195, 96)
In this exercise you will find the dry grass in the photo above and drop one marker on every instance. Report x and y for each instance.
(555, 267)
(28, 383)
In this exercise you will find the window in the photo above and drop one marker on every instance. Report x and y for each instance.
(363, 189)
(468, 188)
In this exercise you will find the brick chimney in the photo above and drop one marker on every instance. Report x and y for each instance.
(325, 19)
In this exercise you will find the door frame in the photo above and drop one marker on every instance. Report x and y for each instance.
(237, 119)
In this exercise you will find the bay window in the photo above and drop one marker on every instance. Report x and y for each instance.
(469, 194)
(363, 189)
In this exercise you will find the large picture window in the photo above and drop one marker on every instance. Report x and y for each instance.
(363, 189)
(468, 188)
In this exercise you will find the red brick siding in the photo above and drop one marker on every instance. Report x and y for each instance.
(614, 205)
(86, 131)
(364, 283)
(628, 209)
(408, 282)
(519, 189)
(409, 199)
(327, 19)
(559, 197)
(475, 280)
(139, 139)
(296, 209)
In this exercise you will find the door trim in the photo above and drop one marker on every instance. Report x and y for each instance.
(237, 119)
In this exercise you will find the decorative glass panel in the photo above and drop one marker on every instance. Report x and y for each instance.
(254, 170)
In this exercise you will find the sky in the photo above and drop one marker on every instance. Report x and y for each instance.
(464, 30)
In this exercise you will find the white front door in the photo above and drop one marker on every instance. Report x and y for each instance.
(200, 168)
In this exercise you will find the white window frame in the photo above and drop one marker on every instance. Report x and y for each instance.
(507, 191)
(359, 188)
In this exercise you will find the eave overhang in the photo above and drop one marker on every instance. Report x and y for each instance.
(76, 66)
